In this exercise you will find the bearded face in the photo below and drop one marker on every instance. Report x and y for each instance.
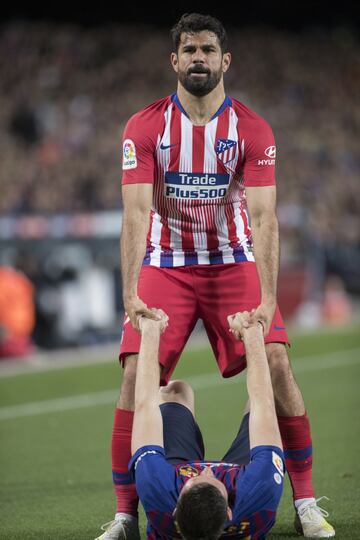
(199, 62)
(200, 80)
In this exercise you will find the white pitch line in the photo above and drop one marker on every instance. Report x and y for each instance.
(198, 382)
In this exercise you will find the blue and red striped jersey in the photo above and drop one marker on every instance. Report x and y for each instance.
(254, 490)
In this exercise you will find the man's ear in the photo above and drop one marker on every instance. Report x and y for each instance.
(226, 61)
(174, 62)
(229, 513)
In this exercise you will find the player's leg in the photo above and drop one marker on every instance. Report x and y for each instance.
(226, 289)
(125, 524)
(239, 451)
(183, 440)
(296, 437)
(179, 303)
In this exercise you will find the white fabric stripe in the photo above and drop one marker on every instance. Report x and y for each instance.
(233, 135)
(155, 235)
(163, 157)
(210, 157)
(178, 206)
(239, 223)
(216, 211)
(205, 213)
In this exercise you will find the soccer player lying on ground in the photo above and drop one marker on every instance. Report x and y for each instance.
(184, 495)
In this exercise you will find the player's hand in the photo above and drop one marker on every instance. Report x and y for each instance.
(263, 314)
(136, 308)
(158, 325)
(239, 323)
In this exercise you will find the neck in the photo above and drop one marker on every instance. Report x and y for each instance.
(200, 110)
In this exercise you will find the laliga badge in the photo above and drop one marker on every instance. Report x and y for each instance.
(278, 462)
(129, 155)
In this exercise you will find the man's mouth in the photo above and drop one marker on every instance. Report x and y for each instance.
(198, 72)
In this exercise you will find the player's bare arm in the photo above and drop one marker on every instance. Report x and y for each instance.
(137, 200)
(261, 203)
(148, 426)
(263, 423)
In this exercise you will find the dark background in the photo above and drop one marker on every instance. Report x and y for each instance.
(292, 16)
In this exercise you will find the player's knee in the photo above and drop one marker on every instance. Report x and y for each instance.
(278, 359)
(178, 392)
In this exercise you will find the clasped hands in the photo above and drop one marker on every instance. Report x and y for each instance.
(238, 323)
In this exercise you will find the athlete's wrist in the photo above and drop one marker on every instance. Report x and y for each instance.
(254, 333)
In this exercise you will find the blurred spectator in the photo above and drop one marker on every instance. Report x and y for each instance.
(17, 313)
(67, 92)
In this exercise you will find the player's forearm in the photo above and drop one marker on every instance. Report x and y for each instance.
(148, 368)
(258, 374)
(147, 426)
(265, 232)
(263, 421)
(132, 249)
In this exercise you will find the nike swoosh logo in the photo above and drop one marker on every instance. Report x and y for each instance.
(276, 327)
(166, 146)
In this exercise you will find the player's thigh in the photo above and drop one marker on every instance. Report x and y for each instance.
(223, 290)
(239, 451)
(182, 436)
(171, 290)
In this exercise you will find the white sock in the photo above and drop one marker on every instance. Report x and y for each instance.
(129, 517)
(299, 502)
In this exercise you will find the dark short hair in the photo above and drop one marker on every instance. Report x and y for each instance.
(201, 512)
(193, 23)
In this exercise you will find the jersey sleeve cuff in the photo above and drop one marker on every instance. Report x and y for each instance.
(125, 181)
(141, 453)
(266, 448)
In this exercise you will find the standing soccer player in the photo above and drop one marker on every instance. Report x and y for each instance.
(198, 168)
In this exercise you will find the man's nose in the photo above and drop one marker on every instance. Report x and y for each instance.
(198, 56)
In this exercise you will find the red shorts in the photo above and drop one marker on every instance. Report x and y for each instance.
(210, 293)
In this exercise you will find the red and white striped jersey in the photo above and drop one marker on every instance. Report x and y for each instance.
(199, 213)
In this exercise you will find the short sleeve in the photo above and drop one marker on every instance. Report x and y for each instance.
(261, 484)
(138, 152)
(155, 479)
(260, 154)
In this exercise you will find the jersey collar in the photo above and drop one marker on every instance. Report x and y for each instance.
(226, 103)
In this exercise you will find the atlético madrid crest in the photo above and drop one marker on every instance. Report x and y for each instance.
(225, 150)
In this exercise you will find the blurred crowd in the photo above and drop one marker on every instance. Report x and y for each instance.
(66, 93)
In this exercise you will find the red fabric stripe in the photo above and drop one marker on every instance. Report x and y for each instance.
(222, 132)
(175, 138)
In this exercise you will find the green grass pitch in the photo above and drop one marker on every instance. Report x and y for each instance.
(55, 426)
